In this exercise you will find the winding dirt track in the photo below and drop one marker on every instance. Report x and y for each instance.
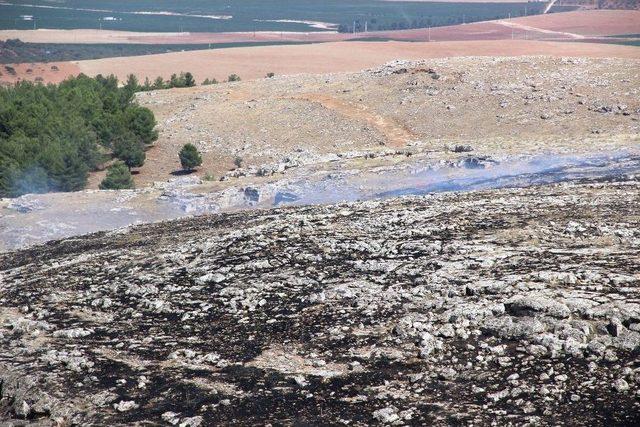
(529, 30)
(396, 134)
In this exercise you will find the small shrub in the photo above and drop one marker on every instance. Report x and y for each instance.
(209, 177)
(233, 78)
(270, 75)
(238, 162)
(462, 149)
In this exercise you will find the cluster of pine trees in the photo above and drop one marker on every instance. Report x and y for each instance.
(52, 136)
(181, 80)
(176, 80)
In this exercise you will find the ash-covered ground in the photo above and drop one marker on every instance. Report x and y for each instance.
(505, 307)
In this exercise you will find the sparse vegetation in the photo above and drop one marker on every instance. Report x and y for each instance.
(208, 177)
(190, 157)
(209, 81)
(118, 178)
(233, 78)
(238, 162)
(270, 75)
(52, 136)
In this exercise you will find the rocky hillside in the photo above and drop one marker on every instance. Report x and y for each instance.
(511, 306)
(496, 105)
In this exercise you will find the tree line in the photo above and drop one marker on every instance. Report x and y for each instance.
(176, 80)
(51, 136)
(434, 21)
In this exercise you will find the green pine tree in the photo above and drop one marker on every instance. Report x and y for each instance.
(118, 178)
(127, 149)
(159, 83)
(141, 122)
(189, 81)
(190, 157)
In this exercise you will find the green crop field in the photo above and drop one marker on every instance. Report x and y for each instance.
(247, 15)
(15, 51)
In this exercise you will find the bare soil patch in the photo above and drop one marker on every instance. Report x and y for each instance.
(588, 22)
(396, 135)
(52, 72)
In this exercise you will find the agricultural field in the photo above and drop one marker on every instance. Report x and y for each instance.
(249, 15)
(16, 51)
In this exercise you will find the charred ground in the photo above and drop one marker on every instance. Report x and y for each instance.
(514, 306)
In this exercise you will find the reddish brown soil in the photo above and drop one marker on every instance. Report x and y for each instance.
(492, 38)
(255, 62)
(53, 72)
(588, 23)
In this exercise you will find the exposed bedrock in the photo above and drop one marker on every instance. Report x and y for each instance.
(518, 306)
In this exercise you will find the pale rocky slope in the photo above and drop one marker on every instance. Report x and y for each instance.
(497, 105)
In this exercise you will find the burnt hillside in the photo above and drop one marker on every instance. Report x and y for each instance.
(512, 306)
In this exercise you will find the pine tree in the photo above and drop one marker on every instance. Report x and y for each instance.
(190, 157)
(132, 83)
(175, 81)
(141, 122)
(189, 81)
(118, 178)
(9, 169)
(127, 149)
(159, 83)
